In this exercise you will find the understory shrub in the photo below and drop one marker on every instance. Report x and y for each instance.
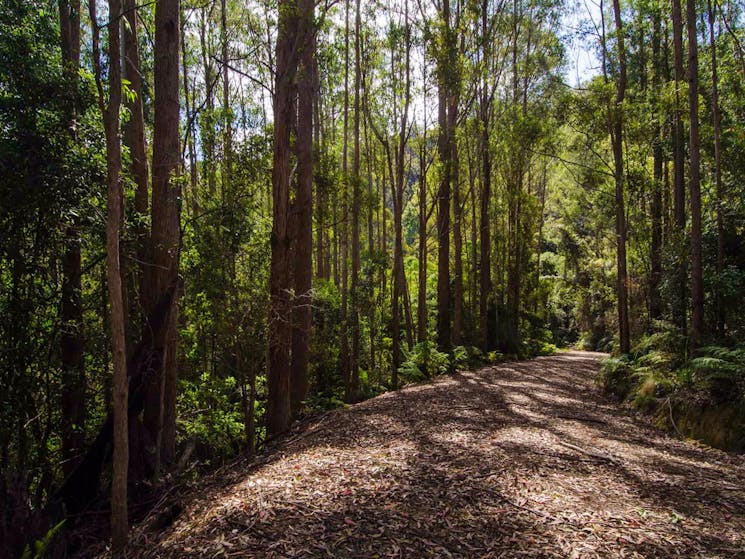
(422, 362)
(657, 378)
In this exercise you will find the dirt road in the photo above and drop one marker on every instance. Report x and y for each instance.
(521, 460)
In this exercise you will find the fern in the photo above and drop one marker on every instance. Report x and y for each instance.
(40, 547)
(424, 361)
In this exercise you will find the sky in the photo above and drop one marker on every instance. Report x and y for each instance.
(578, 19)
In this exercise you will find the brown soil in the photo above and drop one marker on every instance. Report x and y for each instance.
(521, 460)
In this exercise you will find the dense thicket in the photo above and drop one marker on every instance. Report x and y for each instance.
(321, 202)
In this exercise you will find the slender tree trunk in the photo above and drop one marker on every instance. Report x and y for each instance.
(303, 260)
(473, 264)
(694, 181)
(110, 112)
(679, 309)
(280, 305)
(485, 285)
(422, 249)
(511, 342)
(720, 309)
(655, 299)
(399, 280)
(617, 141)
(344, 327)
(354, 364)
(443, 194)
(208, 114)
(134, 139)
(370, 239)
(72, 341)
(249, 415)
(320, 238)
(457, 232)
(160, 405)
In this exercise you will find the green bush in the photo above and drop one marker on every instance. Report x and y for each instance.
(422, 362)
(211, 415)
(720, 372)
(615, 377)
(657, 368)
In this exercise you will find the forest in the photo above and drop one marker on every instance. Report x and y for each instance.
(221, 220)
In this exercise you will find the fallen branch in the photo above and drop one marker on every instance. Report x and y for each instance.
(592, 453)
(582, 418)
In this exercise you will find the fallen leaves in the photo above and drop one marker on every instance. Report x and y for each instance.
(521, 460)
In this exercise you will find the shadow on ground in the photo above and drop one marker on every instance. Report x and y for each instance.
(519, 460)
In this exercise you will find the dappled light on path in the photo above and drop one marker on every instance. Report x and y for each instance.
(520, 460)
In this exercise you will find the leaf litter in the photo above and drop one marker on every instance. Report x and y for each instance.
(519, 460)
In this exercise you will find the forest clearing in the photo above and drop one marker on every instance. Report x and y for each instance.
(519, 460)
(316, 277)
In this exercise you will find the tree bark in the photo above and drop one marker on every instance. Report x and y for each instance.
(110, 112)
(303, 260)
(160, 405)
(72, 343)
(484, 228)
(345, 357)
(443, 195)
(720, 309)
(617, 141)
(134, 139)
(354, 365)
(422, 248)
(280, 304)
(679, 308)
(694, 181)
(655, 299)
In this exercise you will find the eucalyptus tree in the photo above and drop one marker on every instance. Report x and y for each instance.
(110, 104)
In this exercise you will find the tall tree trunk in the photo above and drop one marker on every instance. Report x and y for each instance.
(110, 113)
(160, 417)
(370, 239)
(617, 141)
(457, 231)
(208, 114)
(72, 341)
(655, 299)
(720, 310)
(344, 327)
(694, 181)
(399, 279)
(458, 291)
(318, 134)
(511, 341)
(485, 198)
(679, 308)
(397, 286)
(443, 195)
(280, 304)
(354, 365)
(422, 248)
(303, 259)
(134, 139)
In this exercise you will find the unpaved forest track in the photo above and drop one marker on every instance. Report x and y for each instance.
(521, 460)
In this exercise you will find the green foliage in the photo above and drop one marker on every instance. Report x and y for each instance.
(657, 368)
(720, 371)
(327, 384)
(424, 361)
(615, 376)
(40, 547)
(460, 357)
(210, 414)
